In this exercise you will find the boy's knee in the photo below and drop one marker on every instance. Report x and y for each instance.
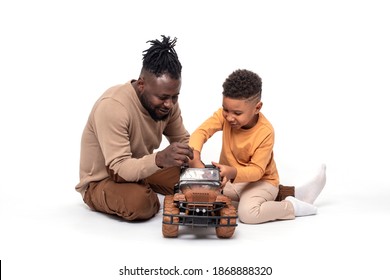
(248, 214)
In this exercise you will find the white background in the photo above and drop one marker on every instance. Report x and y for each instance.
(325, 69)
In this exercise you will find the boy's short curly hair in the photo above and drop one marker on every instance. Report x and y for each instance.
(242, 84)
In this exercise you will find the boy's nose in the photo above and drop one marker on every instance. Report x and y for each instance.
(229, 118)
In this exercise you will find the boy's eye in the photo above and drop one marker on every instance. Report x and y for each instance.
(234, 113)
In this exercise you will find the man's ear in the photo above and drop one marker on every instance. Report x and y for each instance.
(141, 83)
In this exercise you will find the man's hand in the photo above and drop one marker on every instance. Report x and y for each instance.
(226, 172)
(175, 154)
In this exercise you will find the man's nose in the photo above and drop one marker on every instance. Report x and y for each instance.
(168, 103)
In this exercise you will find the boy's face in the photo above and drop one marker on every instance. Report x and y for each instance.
(241, 113)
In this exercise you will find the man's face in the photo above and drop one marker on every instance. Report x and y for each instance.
(159, 94)
(240, 113)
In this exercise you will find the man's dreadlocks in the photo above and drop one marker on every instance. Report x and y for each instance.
(161, 58)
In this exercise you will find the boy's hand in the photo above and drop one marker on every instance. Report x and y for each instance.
(227, 172)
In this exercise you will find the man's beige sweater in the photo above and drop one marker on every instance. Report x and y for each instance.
(120, 138)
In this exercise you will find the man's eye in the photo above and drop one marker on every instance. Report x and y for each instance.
(163, 98)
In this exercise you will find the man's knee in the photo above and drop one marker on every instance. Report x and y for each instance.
(164, 180)
(130, 201)
(140, 205)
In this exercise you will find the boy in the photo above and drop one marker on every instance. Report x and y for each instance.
(247, 167)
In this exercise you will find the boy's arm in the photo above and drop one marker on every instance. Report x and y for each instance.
(202, 134)
(196, 162)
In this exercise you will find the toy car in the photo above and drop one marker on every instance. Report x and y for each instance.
(199, 202)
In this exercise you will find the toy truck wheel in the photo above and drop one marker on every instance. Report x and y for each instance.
(227, 231)
(169, 229)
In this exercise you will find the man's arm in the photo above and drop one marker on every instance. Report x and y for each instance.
(111, 126)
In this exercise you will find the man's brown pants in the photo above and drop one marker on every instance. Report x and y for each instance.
(132, 201)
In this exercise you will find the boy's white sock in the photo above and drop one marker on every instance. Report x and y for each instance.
(302, 208)
(161, 198)
(312, 189)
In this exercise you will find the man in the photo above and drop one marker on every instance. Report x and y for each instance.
(120, 172)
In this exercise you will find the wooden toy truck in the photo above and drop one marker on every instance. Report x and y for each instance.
(199, 202)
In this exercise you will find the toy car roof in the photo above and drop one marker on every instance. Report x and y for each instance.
(196, 175)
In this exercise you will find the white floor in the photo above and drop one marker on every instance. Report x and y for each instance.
(53, 235)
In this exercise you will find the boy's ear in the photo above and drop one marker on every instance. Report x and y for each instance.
(258, 106)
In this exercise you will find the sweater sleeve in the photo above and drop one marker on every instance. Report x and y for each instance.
(175, 130)
(111, 128)
(206, 130)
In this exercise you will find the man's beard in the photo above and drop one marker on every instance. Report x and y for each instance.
(151, 110)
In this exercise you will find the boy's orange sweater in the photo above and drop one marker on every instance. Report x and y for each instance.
(248, 150)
